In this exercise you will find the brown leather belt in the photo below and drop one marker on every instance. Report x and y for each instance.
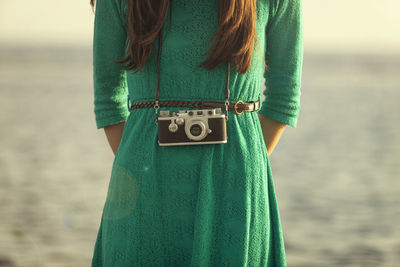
(238, 107)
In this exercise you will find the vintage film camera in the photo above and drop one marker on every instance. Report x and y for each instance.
(192, 127)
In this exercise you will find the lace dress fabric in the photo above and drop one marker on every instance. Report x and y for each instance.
(194, 205)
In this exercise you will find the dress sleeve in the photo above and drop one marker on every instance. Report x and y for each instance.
(284, 57)
(109, 79)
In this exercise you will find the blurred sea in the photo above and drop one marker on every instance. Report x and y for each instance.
(336, 174)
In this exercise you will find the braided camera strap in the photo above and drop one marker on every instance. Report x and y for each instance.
(185, 103)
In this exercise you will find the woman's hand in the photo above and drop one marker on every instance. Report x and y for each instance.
(114, 135)
(272, 131)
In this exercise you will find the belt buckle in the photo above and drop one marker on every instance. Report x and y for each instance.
(235, 107)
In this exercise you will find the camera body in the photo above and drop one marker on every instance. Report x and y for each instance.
(192, 127)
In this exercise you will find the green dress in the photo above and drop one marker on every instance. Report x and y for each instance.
(194, 205)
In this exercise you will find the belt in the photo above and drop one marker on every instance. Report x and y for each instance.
(238, 107)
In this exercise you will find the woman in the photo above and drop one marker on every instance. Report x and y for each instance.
(204, 204)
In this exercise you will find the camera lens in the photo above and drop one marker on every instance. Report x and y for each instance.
(199, 112)
(190, 113)
(195, 130)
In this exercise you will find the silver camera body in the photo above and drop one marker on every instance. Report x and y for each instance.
(192, 127)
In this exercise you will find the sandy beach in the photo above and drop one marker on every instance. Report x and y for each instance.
(336, 174)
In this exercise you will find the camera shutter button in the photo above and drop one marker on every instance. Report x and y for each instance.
(179, 121)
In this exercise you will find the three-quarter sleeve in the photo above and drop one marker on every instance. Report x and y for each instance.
(109, 79)
(284, 57)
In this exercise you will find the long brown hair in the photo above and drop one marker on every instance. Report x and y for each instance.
(234, 39)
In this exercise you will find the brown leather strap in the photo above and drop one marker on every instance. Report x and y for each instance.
(239, 106)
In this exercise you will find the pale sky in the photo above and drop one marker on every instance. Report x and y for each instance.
(344, 25)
